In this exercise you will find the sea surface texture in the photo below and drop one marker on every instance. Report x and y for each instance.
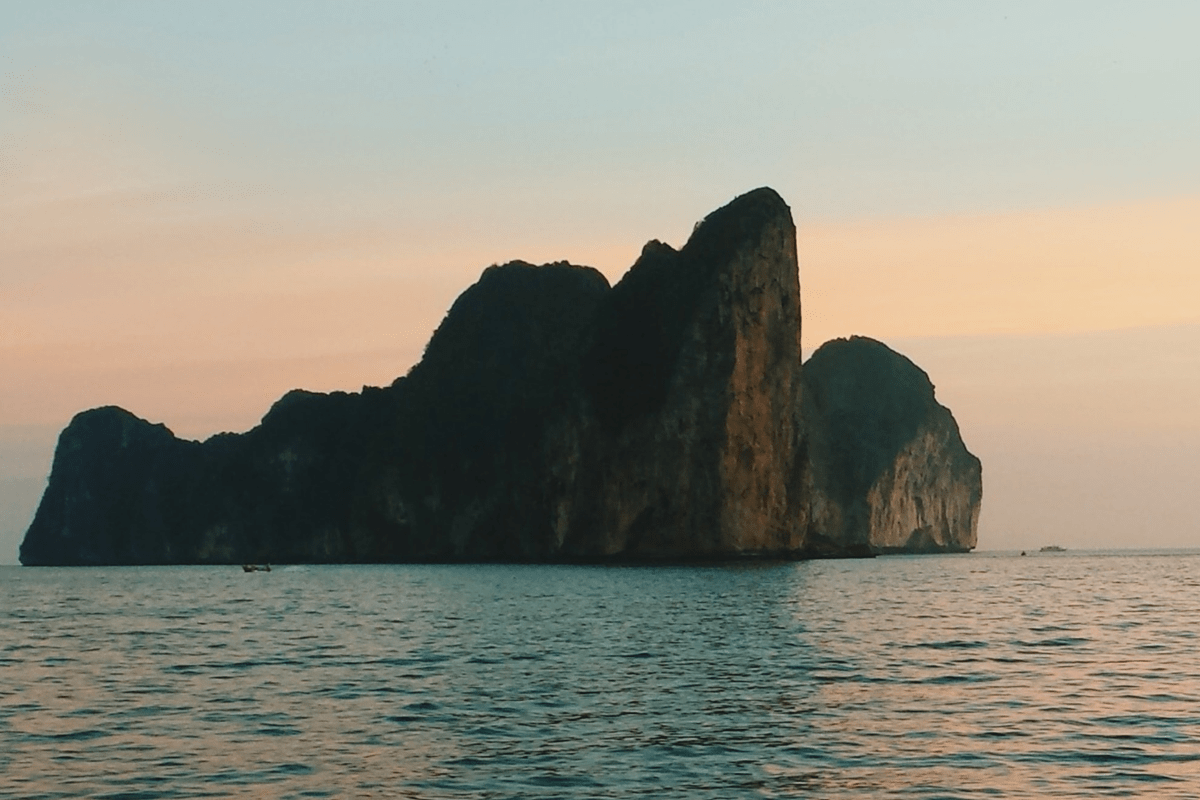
(984, 675)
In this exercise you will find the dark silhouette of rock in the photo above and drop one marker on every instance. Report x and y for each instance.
(445, 464)
(459, 472)
(888, 470)
(111, 492)
(551, 418)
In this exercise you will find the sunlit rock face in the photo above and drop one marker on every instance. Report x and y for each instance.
(685, 436)
(554, 417)
(888, 472)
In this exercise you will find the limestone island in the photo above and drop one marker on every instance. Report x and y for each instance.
(555, 418)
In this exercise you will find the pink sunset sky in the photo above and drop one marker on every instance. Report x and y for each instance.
(203, 206)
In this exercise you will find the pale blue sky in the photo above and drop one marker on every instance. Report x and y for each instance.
(203, 205)
(850, 109)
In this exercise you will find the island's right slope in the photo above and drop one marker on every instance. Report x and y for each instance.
(888, 470)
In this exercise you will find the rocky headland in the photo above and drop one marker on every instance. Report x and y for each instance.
(888, 470)
(556, 418)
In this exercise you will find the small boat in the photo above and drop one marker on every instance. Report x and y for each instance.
(1053, 548)
(256, 568)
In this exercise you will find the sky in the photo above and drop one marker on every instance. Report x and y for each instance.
(205, 205)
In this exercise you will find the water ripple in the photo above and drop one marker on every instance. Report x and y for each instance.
(956, 677)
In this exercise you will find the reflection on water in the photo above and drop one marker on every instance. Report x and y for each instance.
(1074, 675)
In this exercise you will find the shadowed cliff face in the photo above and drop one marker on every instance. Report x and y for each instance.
(888, 468)
(554, 418)
(124, 491)
(467, 459)
(109, 499)
(446, 464)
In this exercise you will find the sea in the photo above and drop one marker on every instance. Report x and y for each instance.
(986, 675)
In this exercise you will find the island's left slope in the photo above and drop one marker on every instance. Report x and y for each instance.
(387, 474)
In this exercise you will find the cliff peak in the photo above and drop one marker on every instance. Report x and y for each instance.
(737, 223)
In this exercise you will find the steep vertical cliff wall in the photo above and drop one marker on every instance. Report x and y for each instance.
(685, 436)
(888, 469)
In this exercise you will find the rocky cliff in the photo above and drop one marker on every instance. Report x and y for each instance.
(552, 418)
(889, 472)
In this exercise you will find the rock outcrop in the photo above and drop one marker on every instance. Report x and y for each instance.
(552, 418)
(109, 499)
(124, 491)
(889, 472)
(459, 471)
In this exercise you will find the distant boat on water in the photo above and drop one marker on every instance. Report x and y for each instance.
(1053, 548)
(256, 568)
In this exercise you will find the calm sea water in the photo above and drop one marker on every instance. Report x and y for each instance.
(987, 675)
